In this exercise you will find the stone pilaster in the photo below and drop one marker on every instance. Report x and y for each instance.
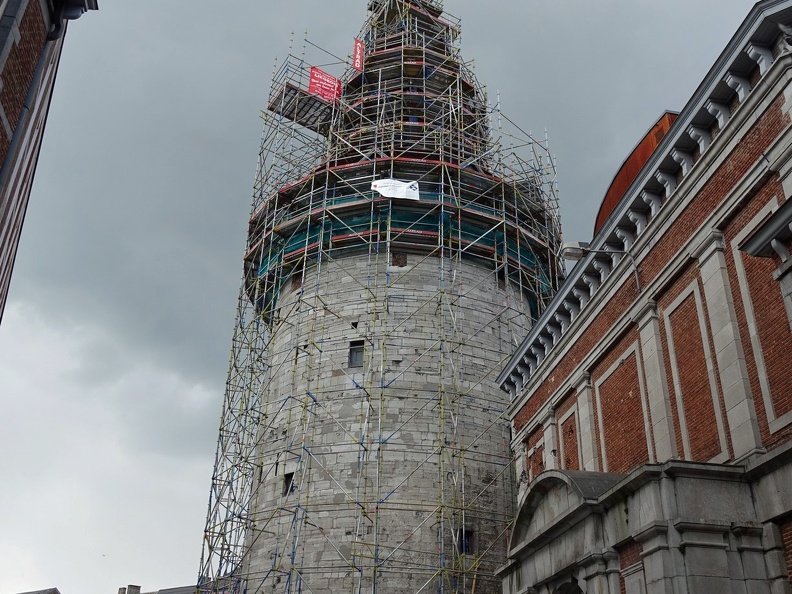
(706, 562)
(740, 410)
(595, 568)
(588, 436)
(775, 561)
(658, 563)
(549, 427)
(612, 570)
(656, 383)
(634, 580)
(746, 559)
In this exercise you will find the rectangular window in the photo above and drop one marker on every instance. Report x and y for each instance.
(356, 353)
(398, 259)
(288, 483)
(465, 541)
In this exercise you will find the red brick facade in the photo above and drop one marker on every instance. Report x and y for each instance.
(664, 361)
(567, 433)
(619, 408)
(21, 65)
(770, 319)
(695, 379)
(689, 375)
(590, 340)
(534, 461)
(569, 439)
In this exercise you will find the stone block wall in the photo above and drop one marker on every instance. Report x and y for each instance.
(785, 528)
(678, 527)
(396, 472)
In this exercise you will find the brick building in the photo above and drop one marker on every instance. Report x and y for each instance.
(652, 401)
(31, 39)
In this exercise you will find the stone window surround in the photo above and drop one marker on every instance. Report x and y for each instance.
(693, 289)
(356, 349)
(769, 240)
(631, 350)
(749, 240)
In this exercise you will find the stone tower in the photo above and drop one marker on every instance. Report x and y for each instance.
(398, 250)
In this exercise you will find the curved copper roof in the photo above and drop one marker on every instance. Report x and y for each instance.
(632, 167)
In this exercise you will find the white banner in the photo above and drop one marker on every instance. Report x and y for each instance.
(393, 188)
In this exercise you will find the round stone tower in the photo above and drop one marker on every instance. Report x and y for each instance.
(397, 253)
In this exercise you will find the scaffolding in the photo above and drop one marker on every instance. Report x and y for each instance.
(363, 444)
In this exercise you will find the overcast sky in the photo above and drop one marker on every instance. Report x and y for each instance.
(115, 340)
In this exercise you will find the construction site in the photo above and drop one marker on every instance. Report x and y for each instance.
(403, 237)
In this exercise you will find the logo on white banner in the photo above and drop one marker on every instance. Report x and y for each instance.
(393, 188)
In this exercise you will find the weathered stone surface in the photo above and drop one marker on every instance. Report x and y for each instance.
(391, 460)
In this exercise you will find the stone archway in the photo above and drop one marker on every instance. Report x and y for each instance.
(570, 588)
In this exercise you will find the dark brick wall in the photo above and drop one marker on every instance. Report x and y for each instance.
(694, 381)
(591, 338)
(773, 328)
(568, 429)
(567, 433)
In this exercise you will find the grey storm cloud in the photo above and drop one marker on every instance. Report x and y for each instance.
(115, 342)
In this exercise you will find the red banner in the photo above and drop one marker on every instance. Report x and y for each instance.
(326, 86)
(357, 55)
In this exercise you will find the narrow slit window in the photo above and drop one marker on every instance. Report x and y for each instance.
(356, 353)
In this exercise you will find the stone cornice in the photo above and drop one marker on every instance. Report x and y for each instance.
(752, 42)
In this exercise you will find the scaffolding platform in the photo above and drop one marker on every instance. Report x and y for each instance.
(300, 106)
